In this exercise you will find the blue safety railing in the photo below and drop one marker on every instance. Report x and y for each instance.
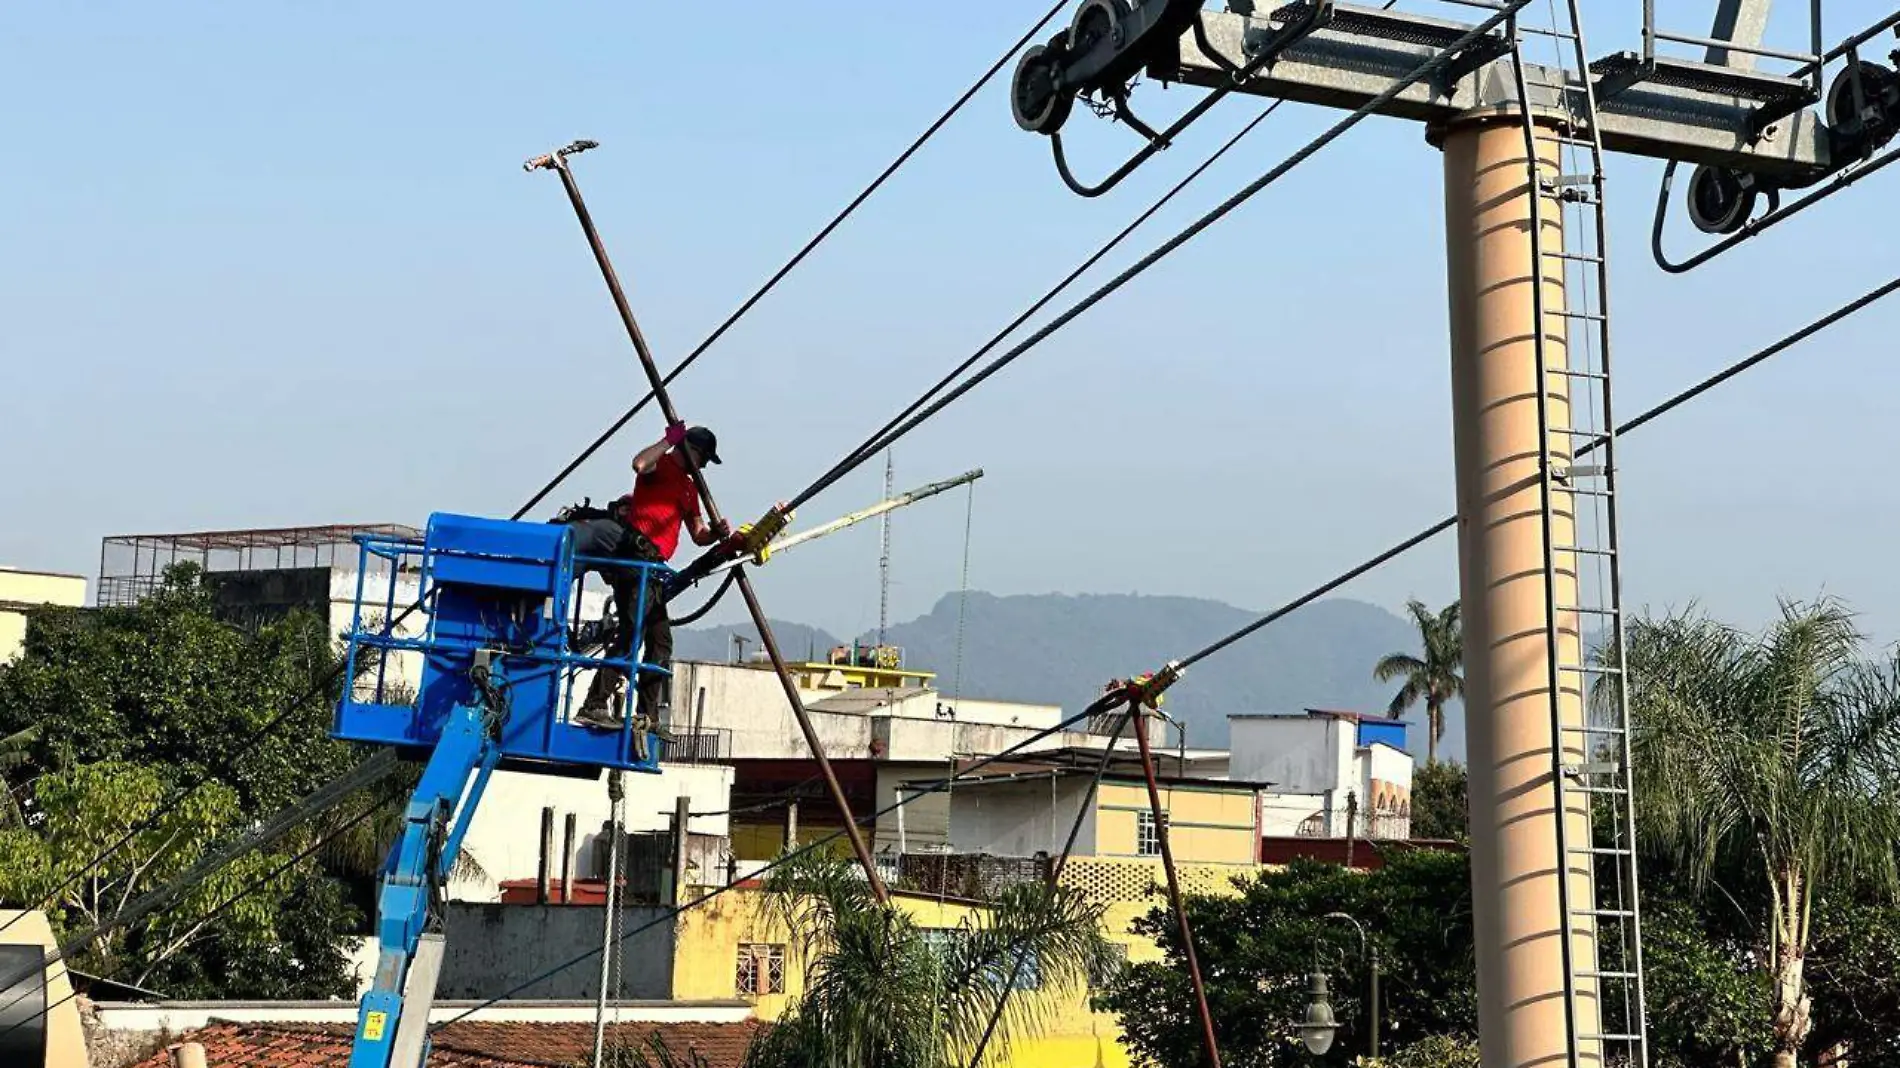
(509, 587)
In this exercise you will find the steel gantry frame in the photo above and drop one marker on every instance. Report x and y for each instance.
(1522, 144)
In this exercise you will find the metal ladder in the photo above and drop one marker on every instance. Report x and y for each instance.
(1590, 756)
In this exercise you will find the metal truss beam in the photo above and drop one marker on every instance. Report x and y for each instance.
(1365, 51)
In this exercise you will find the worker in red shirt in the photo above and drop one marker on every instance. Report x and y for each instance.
(645, 525)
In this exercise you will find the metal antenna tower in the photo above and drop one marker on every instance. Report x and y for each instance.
(884, 551)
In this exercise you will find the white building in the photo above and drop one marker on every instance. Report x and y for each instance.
(1325, 767)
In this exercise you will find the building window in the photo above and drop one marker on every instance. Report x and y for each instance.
(1148, 835)
(942, 940)
(761, 969)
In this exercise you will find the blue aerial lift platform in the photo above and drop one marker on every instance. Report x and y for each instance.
(501, 651)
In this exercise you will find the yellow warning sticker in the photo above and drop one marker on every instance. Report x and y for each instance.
(373, 1024)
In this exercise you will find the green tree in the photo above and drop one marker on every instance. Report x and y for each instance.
(110, 713)
(1436, 678)
(81, 811)
(881, 992)
(1774, 755)
(1439, 805)
(1258, 950)
(1708, 1001)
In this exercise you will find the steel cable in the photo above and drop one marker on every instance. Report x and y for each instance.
(797, 258)
(1653, 413)
(298, 703)
(1424, 70)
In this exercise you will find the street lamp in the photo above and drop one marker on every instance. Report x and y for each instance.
(1318, 1028)
(1320, 1025)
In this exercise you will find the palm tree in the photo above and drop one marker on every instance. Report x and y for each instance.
(1436, 678)
(881, 992)
(1774, 755)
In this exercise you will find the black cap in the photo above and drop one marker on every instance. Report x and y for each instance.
(703, 443)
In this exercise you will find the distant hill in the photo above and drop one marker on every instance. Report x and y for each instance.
(1061, 648)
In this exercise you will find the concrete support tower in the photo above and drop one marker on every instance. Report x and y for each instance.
(1523, 973)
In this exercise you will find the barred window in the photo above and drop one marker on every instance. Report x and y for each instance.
(1028, 972)
(1148, 834)
(761, 969)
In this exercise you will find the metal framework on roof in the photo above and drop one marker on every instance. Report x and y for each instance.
(131, 565)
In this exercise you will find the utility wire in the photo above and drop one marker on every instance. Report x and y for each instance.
(1096, 708)
(1666, 406)
(772, 282)
(1360, 114)
(870, 444)
(797, 258)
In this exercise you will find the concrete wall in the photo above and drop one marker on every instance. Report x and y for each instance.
(924, 823)
(22, 590)
(1018, 819)
(492, 948)
(1297, 754)
(505, 839)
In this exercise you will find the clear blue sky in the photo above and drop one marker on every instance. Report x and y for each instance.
(270, 264)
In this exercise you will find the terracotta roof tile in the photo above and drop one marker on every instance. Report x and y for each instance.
(460, 1045)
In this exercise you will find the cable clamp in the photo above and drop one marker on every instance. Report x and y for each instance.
(755, 539)
(1147, 690)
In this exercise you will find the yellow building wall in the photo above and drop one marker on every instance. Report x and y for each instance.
(706, 947)
(1207, 824)
(765, 841)
(31, 588)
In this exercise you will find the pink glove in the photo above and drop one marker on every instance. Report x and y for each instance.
(676, 433)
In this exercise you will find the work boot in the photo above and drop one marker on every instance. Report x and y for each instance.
(600, 711)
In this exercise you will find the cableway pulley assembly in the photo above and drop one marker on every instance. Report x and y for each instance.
(1860, 113)
(1110, 42)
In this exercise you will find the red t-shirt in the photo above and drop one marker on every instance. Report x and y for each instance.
(663, 498)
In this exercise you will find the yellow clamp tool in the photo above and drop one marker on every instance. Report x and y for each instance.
(1148, 690)
(755, 539)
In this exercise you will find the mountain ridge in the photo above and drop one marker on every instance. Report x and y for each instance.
(1060, 648)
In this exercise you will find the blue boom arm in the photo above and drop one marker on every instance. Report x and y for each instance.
(500, 655)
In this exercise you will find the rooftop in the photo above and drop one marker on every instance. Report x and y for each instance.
(471, 1044)
(1325, 713)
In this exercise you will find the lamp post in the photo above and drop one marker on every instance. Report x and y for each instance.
(1320, 1025)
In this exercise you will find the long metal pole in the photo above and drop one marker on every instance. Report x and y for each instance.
(557, 162)
(1174, 887)
(901, 500)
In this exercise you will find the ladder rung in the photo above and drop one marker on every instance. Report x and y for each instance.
(1570, 373)
(1582, 549)
(1602, 851)
(1615, 914)
(1589, 611)
(1612, 1037)
(1583, 491)
(1548, 32)
(1585, 471)
(1595, 317)
(1590, 669)
(1580, 257)
(1598, 767)
(1597, 789)
(1591, 728)
(1569, 180)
